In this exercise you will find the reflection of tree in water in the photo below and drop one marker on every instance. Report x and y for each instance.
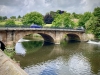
(95, 62)
(37, 56)
(57, 51)
(94, 57)
(32, 46)
(90, 51)
(65, 45)
(51, 52)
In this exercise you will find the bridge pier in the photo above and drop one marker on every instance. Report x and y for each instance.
(58, 37)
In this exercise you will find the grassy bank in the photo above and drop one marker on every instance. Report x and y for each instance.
(16, 22)
(9, 52)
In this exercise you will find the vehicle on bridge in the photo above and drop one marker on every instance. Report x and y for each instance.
(80, 28)
(35, 26)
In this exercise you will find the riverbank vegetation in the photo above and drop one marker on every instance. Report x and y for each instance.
(9, 52)
(59, 19)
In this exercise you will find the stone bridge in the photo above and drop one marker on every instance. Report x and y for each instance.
(12, 35)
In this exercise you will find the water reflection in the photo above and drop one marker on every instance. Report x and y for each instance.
(60, 66)
(19, 49)
(79, 65)
(24, 46)
(64, 59)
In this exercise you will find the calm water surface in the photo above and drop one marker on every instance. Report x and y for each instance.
(64, 59)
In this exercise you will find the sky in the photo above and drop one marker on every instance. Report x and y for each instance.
(21, 7)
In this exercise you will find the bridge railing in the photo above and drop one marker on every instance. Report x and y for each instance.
(25, 27)
(45, 29)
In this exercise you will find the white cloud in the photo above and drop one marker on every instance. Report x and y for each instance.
(21, 7)
(89, 5)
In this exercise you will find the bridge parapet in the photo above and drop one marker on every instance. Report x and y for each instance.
(46, 29)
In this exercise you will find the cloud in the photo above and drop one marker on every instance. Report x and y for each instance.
(21, 7)
(89, 5)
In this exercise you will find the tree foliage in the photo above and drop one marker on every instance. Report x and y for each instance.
(48, 19)
(2, 18)
(62, 20)
(75, 16)
(13, 17)
(97, 12)
(19, 16)
(10, 23)
(60, 11)
(93, 24)
(84, 19)
(33, 18)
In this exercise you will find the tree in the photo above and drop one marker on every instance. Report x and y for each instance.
(13, 17)
(19, 16)
(4, 17)
(48, 19)
(84, 19)
(33, 18)
(96, 30)
(0, 18)
(97, 12)
(62, 20)
(60, 11)
(93, 24)
(53, 14)
(10, 23)
(75, 16)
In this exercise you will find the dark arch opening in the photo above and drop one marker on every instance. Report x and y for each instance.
(2, 46)
(47, 39)
(73, 38)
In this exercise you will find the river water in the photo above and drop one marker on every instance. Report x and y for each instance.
(78, 58)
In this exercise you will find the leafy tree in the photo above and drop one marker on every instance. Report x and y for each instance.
(4, 17)
(13, 17)
(93, 24)
(19, 16)
(0, 18)
(48, 19)
(53, 14)
(84, 19)
(10, 23)
(60, 11)
(62, 20)
(97, 12)
(75, 16)
(33, 18)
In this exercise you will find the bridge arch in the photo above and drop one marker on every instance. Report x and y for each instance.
(73, 37)
(47, 38)
(2, 46)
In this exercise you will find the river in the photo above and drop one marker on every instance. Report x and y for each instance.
(78, 58)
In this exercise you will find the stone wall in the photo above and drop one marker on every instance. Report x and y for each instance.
(9, 67)
(87, 37)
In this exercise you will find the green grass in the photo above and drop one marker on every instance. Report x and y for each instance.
(2, 23)
(16, 22)
(48, 25)
(9, 53)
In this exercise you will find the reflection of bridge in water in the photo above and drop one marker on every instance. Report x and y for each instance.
(12, 35)
(52, 52)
